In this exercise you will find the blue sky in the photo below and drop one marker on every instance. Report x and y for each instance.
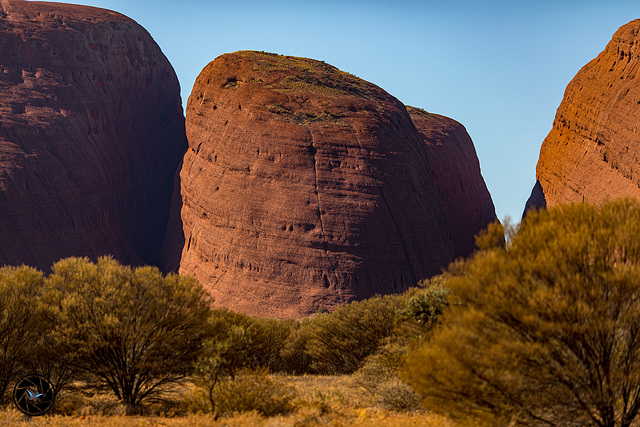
(498, 67)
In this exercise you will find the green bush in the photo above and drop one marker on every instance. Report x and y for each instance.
(378, 377)
(268, 338)
(395, 395)
(427, 306)
(326, 343)
(238, 341)
(253, 390)
(340, 341)
(241, 341)
(293, 354)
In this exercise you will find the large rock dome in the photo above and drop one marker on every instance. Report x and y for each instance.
(91, 134)
(305, 187)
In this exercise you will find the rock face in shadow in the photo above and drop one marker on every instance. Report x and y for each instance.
(91, 134)
(305, 187)
(455, 173)
(536, 200)
(593, 151)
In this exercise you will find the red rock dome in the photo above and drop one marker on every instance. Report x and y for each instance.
(593, 151)
(91, 134)
(305, 187)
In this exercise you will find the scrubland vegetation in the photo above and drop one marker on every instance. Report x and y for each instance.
(544, 330)
(541, 326)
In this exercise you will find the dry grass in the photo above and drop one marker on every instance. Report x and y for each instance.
(363, 417)
(321, 401)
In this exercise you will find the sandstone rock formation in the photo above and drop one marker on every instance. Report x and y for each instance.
(593, 151)
(91, 134)
(305, 187)
(455, 173)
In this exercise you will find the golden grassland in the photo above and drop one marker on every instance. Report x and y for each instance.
(320, 400)
(363, 417)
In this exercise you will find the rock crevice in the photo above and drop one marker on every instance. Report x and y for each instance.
(313, 151)
(401, 238)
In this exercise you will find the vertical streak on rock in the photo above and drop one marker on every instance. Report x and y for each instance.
(369, 171)
(313, 150)
(414, 278)
(455, 172)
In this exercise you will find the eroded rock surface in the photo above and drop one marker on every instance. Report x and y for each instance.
(593, 151)
(305, 187)
(455, 173)
(91, 134)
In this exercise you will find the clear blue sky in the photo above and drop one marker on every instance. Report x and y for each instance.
(498, 67)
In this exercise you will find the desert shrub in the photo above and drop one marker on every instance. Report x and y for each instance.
(227, 347)
(224, 352)
(68, 404)
(293, 354)
(75, 403)
(378, 377)
(427, 306)
(319, 402)
(268, 336)
(105, 405)
(340, 341)
(422, 306)
(396, 395)
(196, 401)
(253, 390)
(238, 341)
(375, 369)
(544, 330)
(78, 401)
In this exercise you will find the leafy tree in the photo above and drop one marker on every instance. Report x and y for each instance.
(544, 330)
(21, 323)
(225, 351)
(133, 329)
(268, 338)
(238, 341)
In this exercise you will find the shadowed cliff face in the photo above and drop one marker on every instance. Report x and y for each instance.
(593, 151)
(455, 173)
(305, 187)
(91, 133)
